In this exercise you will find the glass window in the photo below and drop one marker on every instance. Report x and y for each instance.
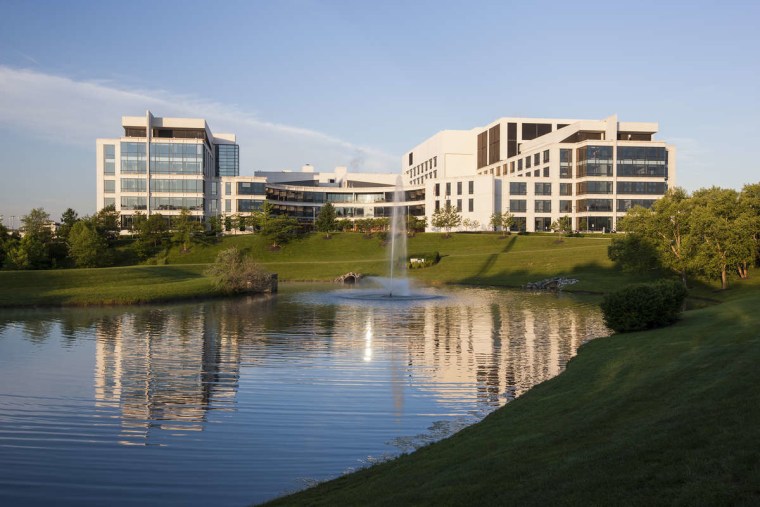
(518, 188)
(543, 188)
(517, 205)
(109, 186)
(543, 206)
(109, 201)
(565, 206)
(228, 205)
(250, 188)
(471, 187)
(448, 188)
(594, 187)
(459, 188)
(626, 204)
(542, 224)
(546, 156)
(519, 165)
(471, 205)
(641, 187)
(437, 189)
(227, 188)
(546, 172)
(527, 162)
(459, 205)
(537, 173)
(565, 189)
(536, 159)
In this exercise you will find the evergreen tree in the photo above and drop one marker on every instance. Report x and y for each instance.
(325, 222)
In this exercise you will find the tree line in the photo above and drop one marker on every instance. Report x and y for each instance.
(713, 233)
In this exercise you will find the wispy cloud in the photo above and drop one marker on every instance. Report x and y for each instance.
(77, 112)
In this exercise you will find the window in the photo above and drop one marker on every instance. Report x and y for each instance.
(536, 159)
(543, 188)
(227, 160)
(437, 189)
(517, 205)
(519, 165)
(109, 201)
(459, 188)
(565, 189)
(512, 167)
(626, 204)
(437, 205)
(565, 163)
(642, 161)
(565, 206)
(435, 161)
(641, 187)
(471, 205)
(228, 205)
(594, 161)
(537, 173)
(542, 206)
(471, 187)
(133, 184)
(546, 156)
(594, 187)
(250, 188)
(109, 186)
(543, 224)
(459, 205)
(228, 188)
(109, 159)
(133, 203)
(448, 188)
(518, 188)
(584, 205)
(133, 159)
(546, 172)
(411, 158)
(527, 163)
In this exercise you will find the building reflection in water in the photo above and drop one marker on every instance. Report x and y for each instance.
(165, 369)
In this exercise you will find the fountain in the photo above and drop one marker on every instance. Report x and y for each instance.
(396, 285)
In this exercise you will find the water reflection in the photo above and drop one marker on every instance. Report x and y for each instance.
(270, 389)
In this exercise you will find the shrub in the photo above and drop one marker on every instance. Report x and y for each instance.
(233, 272)
(643, 306)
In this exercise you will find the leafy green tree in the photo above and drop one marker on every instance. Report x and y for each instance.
(470, 224)
(749, 202)
(633, 252)
(563, 225)
(415, 224)
(68, 219)
(186, 228)
(214, 225)
(228, 223)
(722, 240)
(107, 222)
(151, 233)
(33, 250)
(446, 218)
(241, 222)
(280, 230)
(503, 221)
(87, 248)
(667, 226)
(326, 220)
(232, 272)
(6, 242)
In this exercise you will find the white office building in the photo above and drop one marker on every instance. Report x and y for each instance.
(541, 169)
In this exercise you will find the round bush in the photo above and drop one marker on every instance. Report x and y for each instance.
(644, 306)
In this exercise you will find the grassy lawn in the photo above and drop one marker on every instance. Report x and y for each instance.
(665, 417)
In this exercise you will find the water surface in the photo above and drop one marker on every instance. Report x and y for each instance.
(237, 401)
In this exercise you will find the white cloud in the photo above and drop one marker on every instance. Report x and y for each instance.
(69, 111)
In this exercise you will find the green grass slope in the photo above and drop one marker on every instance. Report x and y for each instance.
(665, 417)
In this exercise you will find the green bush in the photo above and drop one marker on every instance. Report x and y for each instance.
(643, 306)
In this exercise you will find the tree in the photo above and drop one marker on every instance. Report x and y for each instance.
(563, 225)
(633, 252)
(470, 224)
(749, 219)
(228, 223)
(68, 219)
(232, 272)
(214, 225)
(666, 226)
(185, 229)
(6, 243)
(87, 248)
(446, 218)
(503, 221)
(33, 251)
(722, 240)
(326, 219)
(107, 222)
(151, 233)
(415, 224)
(280, 229)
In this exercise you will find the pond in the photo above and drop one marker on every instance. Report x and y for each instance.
(230, 402)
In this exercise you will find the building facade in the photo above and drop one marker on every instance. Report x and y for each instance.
(592, 171)
(164, 165)
(538, 169)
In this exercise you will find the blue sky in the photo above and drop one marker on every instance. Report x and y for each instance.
(359, 83)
